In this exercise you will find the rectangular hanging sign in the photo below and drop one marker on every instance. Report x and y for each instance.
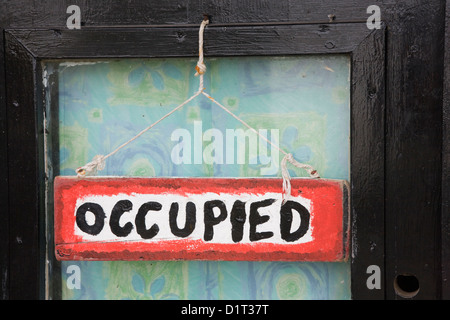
(102, 218)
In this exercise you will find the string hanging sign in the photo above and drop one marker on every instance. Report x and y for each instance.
(122, 218)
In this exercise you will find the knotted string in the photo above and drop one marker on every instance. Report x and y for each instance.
(201, 67)
(91, 168)
(98, 162)
(286, 176)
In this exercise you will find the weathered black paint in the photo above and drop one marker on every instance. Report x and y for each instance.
(190, 221)
(210, 219)
(23, 185)
(255, 219)
(119, 209)
(397, 143)
(445, 218)
(4, 213)
(237, 218)
(414, 74)
(99, 215)
(367, 173)
(140, 220)
(286, 218)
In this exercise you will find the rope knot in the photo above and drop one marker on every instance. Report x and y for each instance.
(91, 168)
(286, 176)
(200, 68)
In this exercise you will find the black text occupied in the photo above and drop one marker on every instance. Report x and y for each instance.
(238, 217)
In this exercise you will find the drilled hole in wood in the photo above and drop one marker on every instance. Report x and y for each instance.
(406, 285)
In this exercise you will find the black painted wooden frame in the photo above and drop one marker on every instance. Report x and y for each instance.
(416, 151)
(26, 48)
(445, 214)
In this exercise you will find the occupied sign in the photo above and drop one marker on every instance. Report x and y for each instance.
(100, 218)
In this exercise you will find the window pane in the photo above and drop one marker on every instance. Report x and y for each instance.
(301, 103)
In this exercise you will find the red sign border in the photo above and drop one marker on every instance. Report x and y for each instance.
(331, 239)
